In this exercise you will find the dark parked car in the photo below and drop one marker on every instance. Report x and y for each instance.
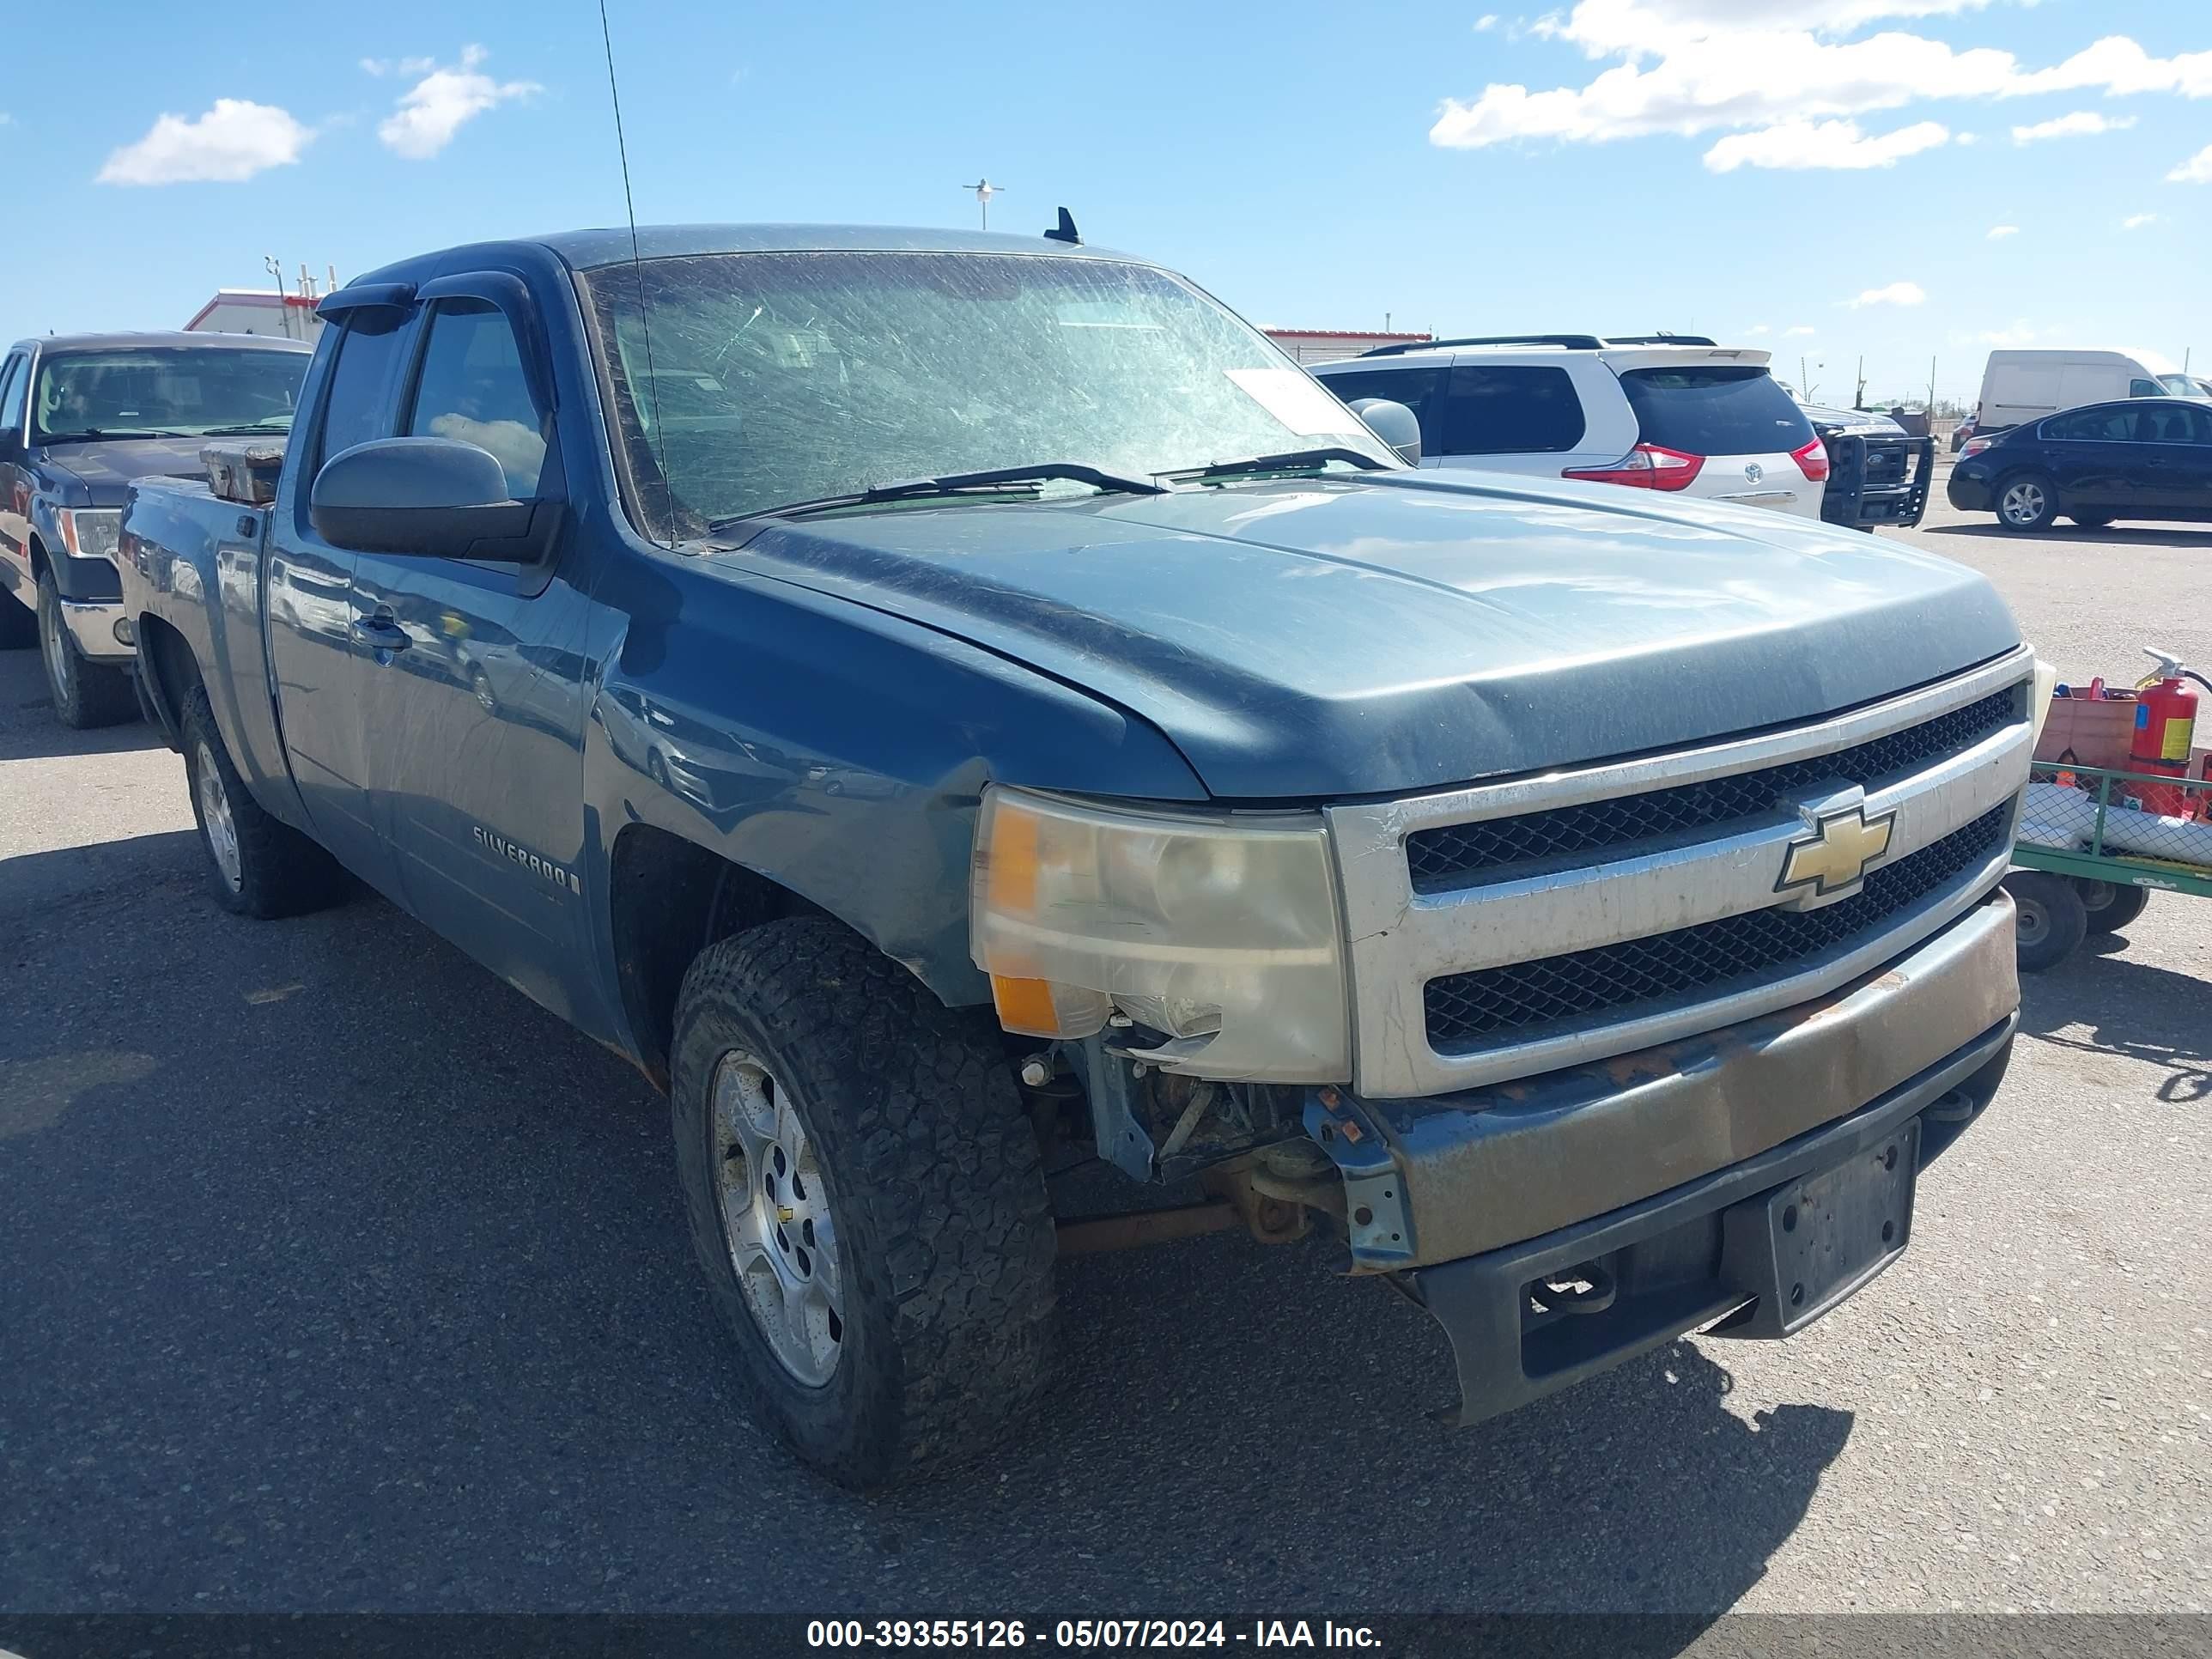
(81, 416)
(2147, 458)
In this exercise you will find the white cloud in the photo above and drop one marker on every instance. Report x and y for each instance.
(1757, 329)
(1799, 332)
(1799, 144)
(397, 66)
(434, 108)
(1966, 138)
(1998, 233)
(2081, 124)
(233, 140)
(1897, 293)
(1691, 66)
(2137, 221)
(2197, 170)
(1486, 22)
(1604, 26)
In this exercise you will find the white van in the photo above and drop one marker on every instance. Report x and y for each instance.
(2026, 386)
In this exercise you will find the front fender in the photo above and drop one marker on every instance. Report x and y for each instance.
(841, 752)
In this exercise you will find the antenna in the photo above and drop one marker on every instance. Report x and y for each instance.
(985, 190)
(637, 272)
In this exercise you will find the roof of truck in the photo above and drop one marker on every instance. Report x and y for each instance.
(156, 336)
(585, 249)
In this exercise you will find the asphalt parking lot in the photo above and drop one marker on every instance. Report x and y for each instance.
(343, 1278)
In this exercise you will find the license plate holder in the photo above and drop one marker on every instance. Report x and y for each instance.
(1807, 1245)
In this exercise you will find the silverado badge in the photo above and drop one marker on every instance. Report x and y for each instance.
(1837, 852)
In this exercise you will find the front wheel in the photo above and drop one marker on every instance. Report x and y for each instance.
(2050, 920)
(866, 1197)
(86, 695)
(2027, 502)
(2108, 906)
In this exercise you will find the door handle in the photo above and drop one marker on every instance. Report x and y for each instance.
(380, 632)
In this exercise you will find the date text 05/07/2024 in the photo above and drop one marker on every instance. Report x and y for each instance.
(1086, 1634)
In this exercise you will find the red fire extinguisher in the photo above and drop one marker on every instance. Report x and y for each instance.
(2165, 722)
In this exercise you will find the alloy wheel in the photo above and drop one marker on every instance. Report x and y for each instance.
(776, 1219)
(220, 827)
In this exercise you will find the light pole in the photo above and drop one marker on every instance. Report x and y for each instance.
(985, 190)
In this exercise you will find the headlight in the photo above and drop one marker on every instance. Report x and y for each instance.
(1220, 931)
(92, 533)
(2047, 682)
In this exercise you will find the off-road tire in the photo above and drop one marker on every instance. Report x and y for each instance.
(19, 625)
(2030, 523)
(2109, 905)
(281, 872)
(2051, 922)
(86, 695)
(933, 1183)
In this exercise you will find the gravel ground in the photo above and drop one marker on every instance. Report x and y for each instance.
(343, 1278)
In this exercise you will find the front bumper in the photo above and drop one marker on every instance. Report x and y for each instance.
(1860, 496)
(92, 624)
(1628, 1165)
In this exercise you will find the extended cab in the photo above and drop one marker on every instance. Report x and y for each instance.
(81, 416)
(952, 708)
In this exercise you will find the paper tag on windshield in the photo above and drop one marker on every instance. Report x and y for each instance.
(1296, 398)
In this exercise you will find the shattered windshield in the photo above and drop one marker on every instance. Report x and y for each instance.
(750, 380)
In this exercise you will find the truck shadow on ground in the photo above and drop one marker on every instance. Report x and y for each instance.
(2099, 1000)
(2110, 535)
(362, 1284)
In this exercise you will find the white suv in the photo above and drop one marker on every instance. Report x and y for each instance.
(1662, 411)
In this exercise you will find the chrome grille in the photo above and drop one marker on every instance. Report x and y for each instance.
(1505, 929)
(1463, 855)
(1616, 981)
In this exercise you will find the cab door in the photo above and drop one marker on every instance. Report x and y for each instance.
(319, 661)
(15, 479)
(474, 714)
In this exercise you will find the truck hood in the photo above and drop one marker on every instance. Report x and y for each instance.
(105, 469)
(1317, 638)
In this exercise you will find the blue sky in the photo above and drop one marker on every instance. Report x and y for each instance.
(1614, 164)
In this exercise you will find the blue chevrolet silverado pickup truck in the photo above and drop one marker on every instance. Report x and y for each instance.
(81, 416)
(950, 708)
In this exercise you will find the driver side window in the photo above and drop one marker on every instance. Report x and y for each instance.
(13, 379)
(473, 390)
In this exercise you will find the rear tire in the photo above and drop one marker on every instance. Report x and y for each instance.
(2052, 922)
(862, 1152)
(2026, 503)
(2108, 906)
(258, 865)
(19, 625)
(86, 695)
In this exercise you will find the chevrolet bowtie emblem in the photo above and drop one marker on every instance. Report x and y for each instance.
(1837, 853)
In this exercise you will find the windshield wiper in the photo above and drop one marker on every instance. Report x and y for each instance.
(992, 480)
(1294, 460)
(250, 429)
(101, 432)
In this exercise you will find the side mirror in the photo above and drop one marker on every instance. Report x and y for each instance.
(1394, 424)
(432, 497)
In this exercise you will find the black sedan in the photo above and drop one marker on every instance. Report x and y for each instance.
(2148, 457)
